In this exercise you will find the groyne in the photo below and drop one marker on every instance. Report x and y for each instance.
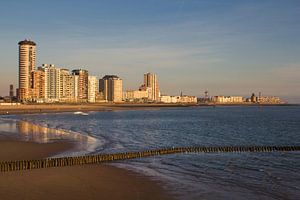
(95, 159)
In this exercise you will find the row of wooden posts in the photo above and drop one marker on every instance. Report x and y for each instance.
(94, 159)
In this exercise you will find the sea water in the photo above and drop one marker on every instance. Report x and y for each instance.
(272, 175)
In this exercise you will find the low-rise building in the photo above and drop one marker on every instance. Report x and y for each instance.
(270, 100)
(136, 95)
(178, 99)
(228, 99)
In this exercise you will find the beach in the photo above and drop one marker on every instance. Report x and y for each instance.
(267, 175)
(56, 108)
(77, 182)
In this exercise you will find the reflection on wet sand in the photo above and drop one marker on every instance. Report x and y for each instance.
(25, 131)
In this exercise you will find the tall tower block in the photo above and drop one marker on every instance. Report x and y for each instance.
(150, 80)
(27, 55)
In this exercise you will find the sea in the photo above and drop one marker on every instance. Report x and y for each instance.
(193, 176)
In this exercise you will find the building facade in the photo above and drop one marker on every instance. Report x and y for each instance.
(111, 86)
(38, 82)
(81, 84)
(27, 56)
(150, 80)
(93, 89)
(52, 82)
(136, 95)
(67, 84)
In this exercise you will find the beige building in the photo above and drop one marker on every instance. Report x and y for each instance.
(111, 86)
(150, 80)
(81, 84)
(269, 100)
(67, 84)
(188, 99)
(93, 89)
(27, 56)
(133, 95)
(38, 82)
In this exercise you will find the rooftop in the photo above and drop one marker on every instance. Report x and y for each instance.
(27, 42)
(110, 77)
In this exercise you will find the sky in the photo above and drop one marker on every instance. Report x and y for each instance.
(232, 47)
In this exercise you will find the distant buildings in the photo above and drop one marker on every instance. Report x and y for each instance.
(270, 100)
(183, 99)
(27, 55)
(147, 92)
(111, 86)
(253, 99)
(49, 84)
(228, 99)
(265, 99)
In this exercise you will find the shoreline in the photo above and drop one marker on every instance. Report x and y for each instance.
(130, 185)
(58, 108)
(99, 181)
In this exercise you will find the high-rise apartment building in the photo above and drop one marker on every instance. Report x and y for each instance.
(67, 84)
(27, 54)
(38, 82)
(112, 88)
(93, 89)
(52, 82)
(82, 81)
(150, 80)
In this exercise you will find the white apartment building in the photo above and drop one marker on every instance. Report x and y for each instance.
(93, 89)
(52, 82)
(178, 99)
(228, 99)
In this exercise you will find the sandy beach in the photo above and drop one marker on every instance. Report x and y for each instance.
(77, 182)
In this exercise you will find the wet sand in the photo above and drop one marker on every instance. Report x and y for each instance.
(76, 182)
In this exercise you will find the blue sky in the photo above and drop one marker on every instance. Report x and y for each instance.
(226, 47)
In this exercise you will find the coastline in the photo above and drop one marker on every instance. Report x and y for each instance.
(56, 108)
(76, 182)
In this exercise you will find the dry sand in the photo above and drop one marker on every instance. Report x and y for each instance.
(76, 182)
(18, 150)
